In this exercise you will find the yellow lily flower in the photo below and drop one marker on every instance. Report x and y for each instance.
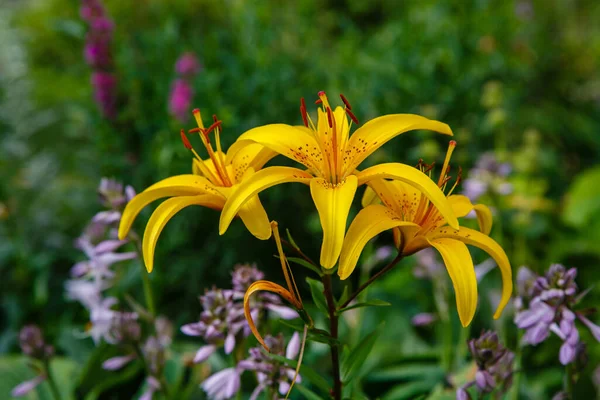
(211, 183)
(331, 157)
(417, 224)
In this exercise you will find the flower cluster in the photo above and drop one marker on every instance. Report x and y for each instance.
(494, 366)
(488, 177)
(180, 99)
(34, 346)
(222, 322)
(272, 375)
(98, 55)
(93, 276)
(546, 304)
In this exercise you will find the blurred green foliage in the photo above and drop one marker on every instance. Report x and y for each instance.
(520, 78)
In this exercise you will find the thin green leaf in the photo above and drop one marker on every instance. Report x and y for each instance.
(407, 372)
(306, 372)
(410, 390)
(314, 334)
(291, 239)
(356, 358)
(345, 294)
(306, 264)
(369, 303)
(307, 393)
(318, 295)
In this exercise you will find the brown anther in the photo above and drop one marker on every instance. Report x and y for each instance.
(321, 93)
(352, 116)
(346, 102)
(195, 130)
(303, 112)
(428, 167)
(215, 119)
(459, 175)
(195, 110)
(185, 140)
(212, 127)
(329, 117)
(419, 163)
(319, 101)
(446, 179)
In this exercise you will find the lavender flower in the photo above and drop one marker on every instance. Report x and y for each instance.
(222, 321)
(271, 374)
(494, 366)
(545, 304)
(222, 385)
(488, 176)
(152, 385)
(32, 345)
(182, 93)
(423, 319)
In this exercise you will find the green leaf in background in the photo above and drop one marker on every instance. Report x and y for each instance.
(305, 264)
(369, 303)
(14, 370)
(352, 364)
(310, 374)
(409, 391)
(582, 200)
(318, 296)
(307, 393)
(407, 372)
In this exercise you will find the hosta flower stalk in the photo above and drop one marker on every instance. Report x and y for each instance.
(419, 223)
(331, 155)
(210, 185)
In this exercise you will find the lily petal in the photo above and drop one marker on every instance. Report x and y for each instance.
(261, 180)
(484, 218)
(460, 267)
(293, 142)
(461, 205)
(369, 197)
(333, 205)
(268, 287)
(255, 218)
(485, 243)
(417, 179)
(164, 213)
(249, 155)
(180, 185)
(375, 133)
(370, 222)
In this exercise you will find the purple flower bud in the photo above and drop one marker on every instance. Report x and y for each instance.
(32, 343)
(204, 352)
(567, 353)
(25, 387)
(115, 363)
(485, 381)
(243, 276)
(561, 396)
(537, 333)
(293, 347)
(594, 329)
(222, 385)
(283, 311)
(462, 394)
(423, 319)
(104, 84)
(229, 343)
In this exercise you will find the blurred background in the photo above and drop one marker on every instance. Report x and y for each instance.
(516, 80)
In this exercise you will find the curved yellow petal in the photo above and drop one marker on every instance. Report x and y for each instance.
(180, 185)
(460, 267)
(247, 154)
(268, 287)
(368, 223)
(404, 199)
(333, 205)
(487, 244)
(164, 213)
(293, 142)
(484, 217)
(257, 182)
(461, 205)
(415, 178)
(369, 197)
(378, 131)
(255, 218)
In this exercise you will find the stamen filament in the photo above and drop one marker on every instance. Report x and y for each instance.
(451, 147)
(286, 267)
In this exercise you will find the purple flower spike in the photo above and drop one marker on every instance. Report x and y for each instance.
(187, 65)
(116, 363)
(494, 364)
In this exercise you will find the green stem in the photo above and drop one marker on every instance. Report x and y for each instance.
(51, 381)
(440, 297)
(145, 275)
(372, 279)
(569, 380)
(514, 395)
(335, 355)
